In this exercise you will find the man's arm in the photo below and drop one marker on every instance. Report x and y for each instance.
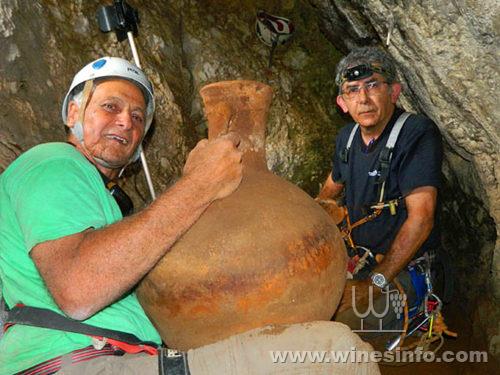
(87, 271)
(421, 206)
(330, 189)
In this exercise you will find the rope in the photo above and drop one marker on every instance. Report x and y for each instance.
(440, 330)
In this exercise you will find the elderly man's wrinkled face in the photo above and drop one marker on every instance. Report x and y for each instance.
(114, 121)
(369, 101)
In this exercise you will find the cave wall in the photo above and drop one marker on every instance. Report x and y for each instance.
(183, 45)
(448, 53)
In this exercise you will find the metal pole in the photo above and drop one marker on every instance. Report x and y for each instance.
(143, 156)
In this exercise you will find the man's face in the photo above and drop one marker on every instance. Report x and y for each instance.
(369, 101)
(114, 121)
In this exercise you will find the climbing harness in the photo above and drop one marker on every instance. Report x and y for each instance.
(384, 157)
(429, 321)
(104, 342)
(273, 31)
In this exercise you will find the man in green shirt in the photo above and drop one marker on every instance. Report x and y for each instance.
(63, 244)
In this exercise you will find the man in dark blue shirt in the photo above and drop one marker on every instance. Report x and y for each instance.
(403, 193)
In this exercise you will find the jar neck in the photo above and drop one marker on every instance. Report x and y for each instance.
(241, 107)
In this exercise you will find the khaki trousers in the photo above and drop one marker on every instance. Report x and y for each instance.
(309, 348)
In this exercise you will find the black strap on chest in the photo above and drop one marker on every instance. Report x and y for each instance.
(122, 199)
(45, 318)
(385, 156)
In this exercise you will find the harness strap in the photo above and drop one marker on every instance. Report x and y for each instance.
(45, 318)
(87, 88)
(385, 156)
(345, 152)
(346, 231)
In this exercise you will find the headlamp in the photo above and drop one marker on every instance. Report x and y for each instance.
(361, 71)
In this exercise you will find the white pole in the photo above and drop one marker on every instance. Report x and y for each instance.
(143, 156)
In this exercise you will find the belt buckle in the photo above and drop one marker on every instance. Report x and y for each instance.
(173, 362)
(172, 353)
(99, 342)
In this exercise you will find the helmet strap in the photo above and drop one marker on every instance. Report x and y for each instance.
(77, 128)
(137, 154)
(87, 89)
(77, 131)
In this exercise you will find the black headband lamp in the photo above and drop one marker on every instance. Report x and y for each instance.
(361, 71)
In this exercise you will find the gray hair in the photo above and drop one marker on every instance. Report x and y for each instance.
(77, 96)
(366, 55)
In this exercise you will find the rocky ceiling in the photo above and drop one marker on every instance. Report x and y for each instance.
(447, 52)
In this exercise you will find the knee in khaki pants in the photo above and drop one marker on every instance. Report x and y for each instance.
(258, 351)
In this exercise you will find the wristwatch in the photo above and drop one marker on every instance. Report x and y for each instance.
(378, 279)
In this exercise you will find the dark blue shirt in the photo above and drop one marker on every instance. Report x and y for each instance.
(416, 161)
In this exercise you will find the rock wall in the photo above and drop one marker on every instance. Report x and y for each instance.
(183, 45)
(447, 52)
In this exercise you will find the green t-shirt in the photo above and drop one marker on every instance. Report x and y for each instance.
(49, 192)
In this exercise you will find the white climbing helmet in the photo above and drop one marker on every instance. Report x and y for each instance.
(114, 67)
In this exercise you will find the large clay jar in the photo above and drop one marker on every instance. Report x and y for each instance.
(265, 254)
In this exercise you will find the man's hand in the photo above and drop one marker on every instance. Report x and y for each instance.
(336, 212)
(361, 291)
(216, 164)
(330, 189)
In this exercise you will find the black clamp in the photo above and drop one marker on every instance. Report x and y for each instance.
(172, 362)
(119, 17)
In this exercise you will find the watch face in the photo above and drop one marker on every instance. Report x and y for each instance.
(378, 279)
